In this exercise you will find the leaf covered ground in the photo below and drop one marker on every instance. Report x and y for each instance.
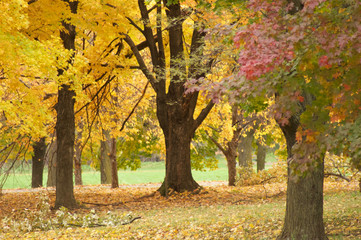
(216, 212)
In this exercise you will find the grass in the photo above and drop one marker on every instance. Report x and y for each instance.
(260, 219)
(150, 172)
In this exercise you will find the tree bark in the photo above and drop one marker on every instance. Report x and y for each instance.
(51, 159)
(65, 126)
(178, 165)
(38, 163)
(304, 201)
(231, 164)
(113, 159)
(245, 150)
(261, 156)
(77, 159)
(105, 161)
(175, 108)
(65, 134)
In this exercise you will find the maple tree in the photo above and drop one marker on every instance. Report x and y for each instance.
(61, 39)
(288, 50)
(24, 85)
(173, 62)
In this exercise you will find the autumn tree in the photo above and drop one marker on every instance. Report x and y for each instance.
(38, 161)
(65, 124)
(25, 106)
(300, 65)
(172, 64)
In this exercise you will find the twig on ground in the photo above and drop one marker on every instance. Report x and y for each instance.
(120, 203)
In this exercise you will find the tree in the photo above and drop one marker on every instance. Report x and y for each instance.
(230, 150)
(175, 108)
(65, 124)
(300, 65)
(51, 160)
(25, 112)
(38, 161)
(304, 190)
(104, 159)
(77, 154)
(261, 156)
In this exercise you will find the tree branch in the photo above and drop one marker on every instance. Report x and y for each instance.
(337, 175)
(148, 32)
(32, 1)
(219, 146)
(135, 25)
(135, 106)
(96, 94)
(140, 60)
(205, 111)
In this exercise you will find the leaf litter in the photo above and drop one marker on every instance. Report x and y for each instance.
(215, 212)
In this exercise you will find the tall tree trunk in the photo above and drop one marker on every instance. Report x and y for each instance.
(175, 108)
(304, 203)
(113, 159)
(65, 126)
(51, 160)
(65, 134)
(105, 161)
(261, 156)
(77, 167)
(231, 156)
(178, 165)
(230, 152)
(77, 158)
(38, 163)
(245, 150)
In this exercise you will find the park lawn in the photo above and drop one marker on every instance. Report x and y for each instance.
(150, 172)
(222, 212)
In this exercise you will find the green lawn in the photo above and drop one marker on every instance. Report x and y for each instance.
(150, 172)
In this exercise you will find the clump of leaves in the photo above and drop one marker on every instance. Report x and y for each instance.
(248, 177)
(43, 219)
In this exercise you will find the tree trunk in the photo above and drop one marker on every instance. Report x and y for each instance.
(245, 150)
(51, 160)
(65, 134)
(113, 159)
(178, 164)
(77, 167)
(304, 203)
(77, 159)
(231, 164)
(175, 108)
(261, 156)
(105, 161)
(65, 126)
(38, 163)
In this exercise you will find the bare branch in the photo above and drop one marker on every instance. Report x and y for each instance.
(135, 25)
(139, 58)
(32, 1)
(219, 146)
(119, 66)
(148, 32)
(96, 94)
(203, 115)
(135, 106)
(337, 175)
(152, 8)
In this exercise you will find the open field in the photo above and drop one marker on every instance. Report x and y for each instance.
(150, 172)
(220, 212)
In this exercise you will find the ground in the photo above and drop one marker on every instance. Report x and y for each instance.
(216, 212)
